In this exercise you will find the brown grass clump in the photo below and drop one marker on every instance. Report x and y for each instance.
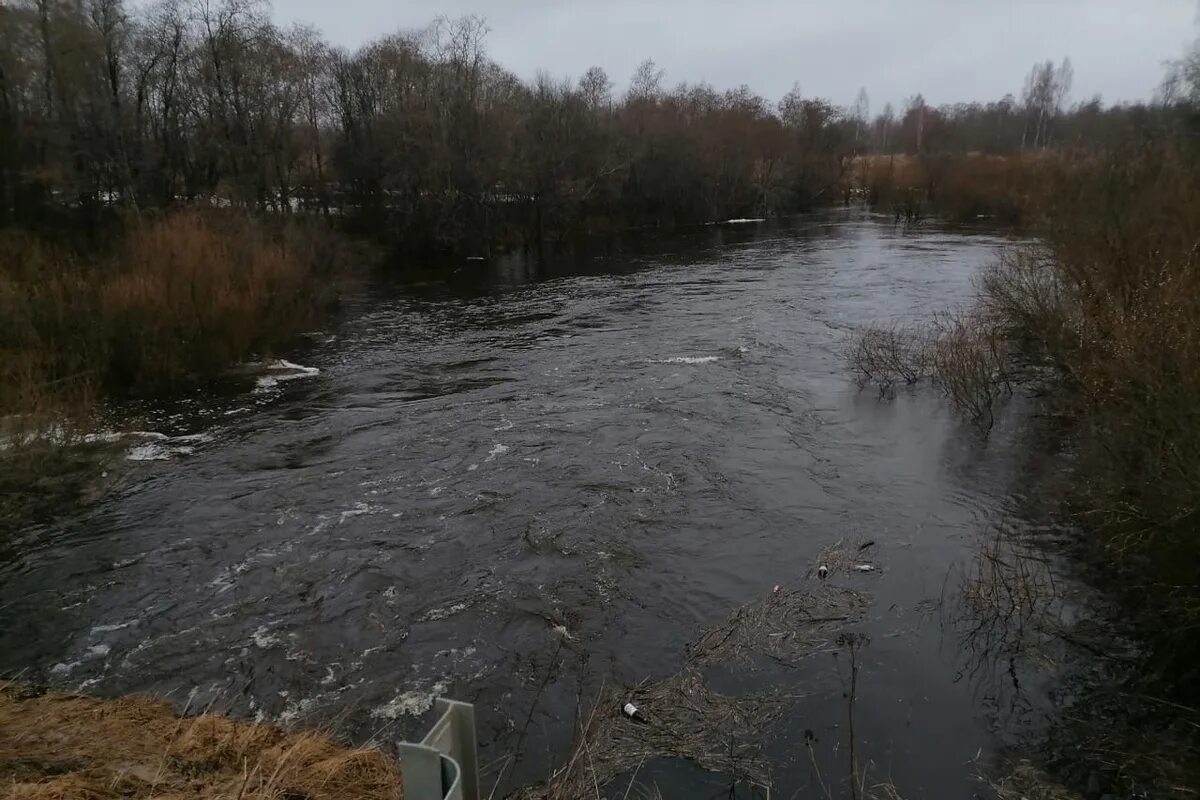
(66, 746)
(179, 299)
(188, 298)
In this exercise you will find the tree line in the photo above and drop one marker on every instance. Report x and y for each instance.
(422, 138)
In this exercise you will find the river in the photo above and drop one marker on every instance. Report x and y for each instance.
(511, 487)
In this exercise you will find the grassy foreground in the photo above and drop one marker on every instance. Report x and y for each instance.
(57, 746)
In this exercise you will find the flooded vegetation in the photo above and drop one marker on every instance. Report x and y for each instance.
(709, 446)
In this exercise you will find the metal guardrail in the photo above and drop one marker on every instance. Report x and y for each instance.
(444, 765)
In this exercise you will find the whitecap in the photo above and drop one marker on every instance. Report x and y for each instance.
(148, 452)
(263, 638)
(413, 703)
(685, 360)
(283, 370)
(438, 614)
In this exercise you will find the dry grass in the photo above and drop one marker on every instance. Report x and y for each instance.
(1023, 781)
(55, 746)
(180, 299)
(188, 299)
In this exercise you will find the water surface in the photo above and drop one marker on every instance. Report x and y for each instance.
(540, 477)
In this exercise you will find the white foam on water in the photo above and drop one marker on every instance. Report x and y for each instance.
(281, 371)
(413, 703)
(295, 711)
(438, 614)
(115, 627)
(153, 436)
(93, 652)
(148, 452)
(359, 510)
(685, 360)
(161, 447)
(744, 220)
(263, 638)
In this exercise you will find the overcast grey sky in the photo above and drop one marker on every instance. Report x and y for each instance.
(949, 50)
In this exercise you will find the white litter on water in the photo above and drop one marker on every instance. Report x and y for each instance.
(496, 452)
(864, 568)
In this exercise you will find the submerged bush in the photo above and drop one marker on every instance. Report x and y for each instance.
(187, 298)
(963, 355)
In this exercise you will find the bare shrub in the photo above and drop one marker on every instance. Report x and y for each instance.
(965, 355)
(969, 359)
(889, 355)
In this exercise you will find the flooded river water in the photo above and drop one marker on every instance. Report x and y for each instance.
(512, 488)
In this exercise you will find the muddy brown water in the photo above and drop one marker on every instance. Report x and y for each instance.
(540, 477)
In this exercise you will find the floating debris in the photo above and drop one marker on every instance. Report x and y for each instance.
(786, 626)
(842, 554)
(719, 733)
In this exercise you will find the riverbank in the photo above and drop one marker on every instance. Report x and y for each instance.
(1100, 319)
(145, 307)
(56, 746)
